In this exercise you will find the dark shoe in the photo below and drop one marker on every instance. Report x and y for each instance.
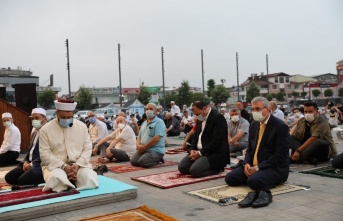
(162, 160)
(98, 170)
(103, 168)
(263, 199)
(315, 161)
(249, 199)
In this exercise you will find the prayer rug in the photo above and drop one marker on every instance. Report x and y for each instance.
(171, 145)
(10, 198)
(175, 151)
(327, 171)
(227, 195)
(177, 138)
(5, 186)
(175, 178)
(138, 214)
(302, 167)
(129, 168)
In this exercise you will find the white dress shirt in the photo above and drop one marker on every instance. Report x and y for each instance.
(12, 140)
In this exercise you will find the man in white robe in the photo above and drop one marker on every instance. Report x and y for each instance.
(65, 150)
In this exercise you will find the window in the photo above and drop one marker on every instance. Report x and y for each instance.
(274, 87)
(296, 86)
(289, 86)
(282, 80)
(276, 79)
(287, 79)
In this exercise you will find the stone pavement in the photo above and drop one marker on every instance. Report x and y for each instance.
(324, 200)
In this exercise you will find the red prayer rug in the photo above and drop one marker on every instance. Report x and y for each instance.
(129, 168)
(29, 195)
(175, 178)
(175, 151)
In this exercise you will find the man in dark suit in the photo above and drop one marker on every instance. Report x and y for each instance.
(266, 161)
(30, 171)
(209, 152)
(244, 113)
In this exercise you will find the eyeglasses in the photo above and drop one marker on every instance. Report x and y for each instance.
(257, 109)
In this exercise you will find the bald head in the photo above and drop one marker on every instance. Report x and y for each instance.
(121, 119)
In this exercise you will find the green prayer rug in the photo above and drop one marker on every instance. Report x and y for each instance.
(328, 171)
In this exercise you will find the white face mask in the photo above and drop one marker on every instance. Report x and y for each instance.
(309, 117)
(150, 114)
(121, 126)
(7, 123)
(36, 124)
(200, 117)
(235, 118)
(257, 115)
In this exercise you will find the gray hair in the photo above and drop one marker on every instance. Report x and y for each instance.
(235, 110)
(152, 105)
(264, 101)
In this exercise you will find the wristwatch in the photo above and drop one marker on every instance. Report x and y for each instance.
(256, 168)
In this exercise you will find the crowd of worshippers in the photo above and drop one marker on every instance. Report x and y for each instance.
(265, 141)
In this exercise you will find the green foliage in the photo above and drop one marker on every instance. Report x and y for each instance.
(316, 93)
(273, 95)
(295, 94)
(303, 94)
(328, 93)
(220, 94)
(84, 98)
(170, 97)
(46, 99)
(144, 96)
(198, 97)
(280, 96)
(340, 92)
(269, 97)
(210, 87)
(184, 96)
(253, 91)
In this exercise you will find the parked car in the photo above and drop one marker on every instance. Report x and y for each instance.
(83, 113)
(50, 114)
(106, 112)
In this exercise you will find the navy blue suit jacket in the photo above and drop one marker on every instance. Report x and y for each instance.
(36, 161)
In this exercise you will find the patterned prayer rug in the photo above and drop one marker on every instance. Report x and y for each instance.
(227, 195)
(327, 171)
(129, 168)
(138, 214)
(175, 178)
(175, 151)
(10, 198)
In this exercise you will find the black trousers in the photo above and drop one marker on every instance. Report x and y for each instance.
(318, 149)
(18, 176)
(8, 157)
(173, 133)
(337, 162)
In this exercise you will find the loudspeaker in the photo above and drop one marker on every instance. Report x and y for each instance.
(26, 97)
(3, 93)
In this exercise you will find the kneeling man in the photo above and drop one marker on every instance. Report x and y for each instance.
(65, 150)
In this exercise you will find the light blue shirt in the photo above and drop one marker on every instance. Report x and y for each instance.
(155, 128)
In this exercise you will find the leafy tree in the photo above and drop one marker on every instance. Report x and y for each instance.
(210, 87)
(184, 96)
(198, 97)
(220, 94)
(316, 93)
(170, 97)
(269, 97)
(253, 91)
(295, 94)
(340, 92)
(273, 95)
(84, 98)
(328, 93)
(280, 96)
(303, 94)
(46, 99)
(144, 96)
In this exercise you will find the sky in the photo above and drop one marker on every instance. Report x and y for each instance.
(300, 37)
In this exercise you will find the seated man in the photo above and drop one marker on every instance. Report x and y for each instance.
(172, 125)
(65, 150)
(238, 129)
(208, 153)
(276, 111)
(97, 129)
(10, 147)
(150, 140)
(266, 162)
(30, 171)
(244, 112)
(311, 138)
(186, 122)
(225, 114)
(132, 124)
(123, 145)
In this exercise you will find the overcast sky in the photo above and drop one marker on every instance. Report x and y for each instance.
(300, 37)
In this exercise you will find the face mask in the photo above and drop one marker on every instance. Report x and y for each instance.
(309, 117)
(36, 124)
(235, 118)
(257, 115)
(92, 120)
(7, 123)
(150, 114)
(65, 122)
(297, 115)
(121, 126)
(200, 117)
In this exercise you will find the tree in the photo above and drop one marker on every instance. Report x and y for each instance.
(84, 98)
(144, 96)
(316, 93)
(220, 94)
(280, 96)
(269, 97)
(253, 91)
(46, 99)
(210, 87)
(273, 95)
(328, 93)
(198, 97)
(303, 94)
(170, 97)
(184, 96)
(340, 92)
(295, 94)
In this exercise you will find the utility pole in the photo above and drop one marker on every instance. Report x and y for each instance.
(203, 72)
(120, 94)
(68, 67)
(267, 65)
(237, 76)
(164, 90)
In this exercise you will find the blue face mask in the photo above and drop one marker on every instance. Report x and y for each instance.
(92, 120)
(66, 122)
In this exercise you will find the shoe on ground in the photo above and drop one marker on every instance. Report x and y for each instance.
(249, 199)
(263, 199)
